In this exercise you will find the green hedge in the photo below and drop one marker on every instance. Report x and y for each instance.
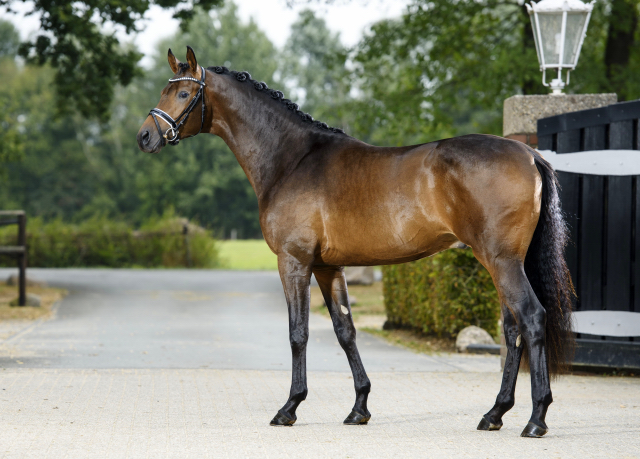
(101, 242)
(441, 295)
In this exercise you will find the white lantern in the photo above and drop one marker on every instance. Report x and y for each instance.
(559, 28)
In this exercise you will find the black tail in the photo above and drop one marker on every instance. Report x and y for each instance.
(547, 271)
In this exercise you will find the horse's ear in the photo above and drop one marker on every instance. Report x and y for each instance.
(173, 62)
(193, 62)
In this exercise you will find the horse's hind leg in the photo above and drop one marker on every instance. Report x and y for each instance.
(334, 290)
(295, 277)
(506, 397)
(530, 315)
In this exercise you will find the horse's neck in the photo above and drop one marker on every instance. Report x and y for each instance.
(267, 143)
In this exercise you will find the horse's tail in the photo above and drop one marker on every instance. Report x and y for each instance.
(547, 271)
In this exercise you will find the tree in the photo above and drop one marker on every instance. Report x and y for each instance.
(200, 178)
(53, 178)
(88, 61)
(9, 40)
(313, 67)
(621, 55)
(445, 67)
(75, 168)
(11, 146)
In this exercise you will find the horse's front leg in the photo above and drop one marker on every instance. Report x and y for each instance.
(334, 290)
(295, 276)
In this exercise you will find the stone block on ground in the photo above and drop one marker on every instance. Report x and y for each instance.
(14, 279)
(359, 275)
(472, 335)
(32, 300)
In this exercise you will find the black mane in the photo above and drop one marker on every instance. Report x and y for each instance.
(275, 95)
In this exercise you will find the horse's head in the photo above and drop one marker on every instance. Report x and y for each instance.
(170, 121)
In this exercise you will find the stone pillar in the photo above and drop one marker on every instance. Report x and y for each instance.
(520, 122)
(521, 113)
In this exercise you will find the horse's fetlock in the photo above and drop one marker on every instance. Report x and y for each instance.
(506, 404)
(364, 388)
(544, 399)
(299, 396)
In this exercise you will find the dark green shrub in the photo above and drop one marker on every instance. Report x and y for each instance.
(441, 295)
(101, 242)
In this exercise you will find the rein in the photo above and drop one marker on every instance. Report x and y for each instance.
(171, 135)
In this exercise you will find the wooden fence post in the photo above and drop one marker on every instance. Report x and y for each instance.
(185, 231)
(22, 259)
(19, 251)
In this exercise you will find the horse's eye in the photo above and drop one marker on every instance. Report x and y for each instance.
(183, 95)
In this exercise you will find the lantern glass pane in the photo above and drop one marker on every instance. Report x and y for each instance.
(551, 31)
(535, 36)
(575, 26)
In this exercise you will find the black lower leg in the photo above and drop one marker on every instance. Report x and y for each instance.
(287, 414)
(334, 289)
(529, 331)
(540, 390)
(506, 397)
(359, 413)
(295, 279)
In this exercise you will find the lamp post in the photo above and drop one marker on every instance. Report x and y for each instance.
(559, 28)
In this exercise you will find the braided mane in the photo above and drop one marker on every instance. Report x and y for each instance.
(275, 95)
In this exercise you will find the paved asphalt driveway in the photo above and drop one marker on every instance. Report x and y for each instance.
(192, 319)
(193, 364)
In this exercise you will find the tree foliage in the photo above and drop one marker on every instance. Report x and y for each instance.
(11, 147)
(313, 65)
(442, 69)
(446, 66)
(88, 61)
(76, 168)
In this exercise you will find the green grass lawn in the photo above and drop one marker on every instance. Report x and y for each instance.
(247, 254)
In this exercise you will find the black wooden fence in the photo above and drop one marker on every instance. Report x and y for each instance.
(603, 213)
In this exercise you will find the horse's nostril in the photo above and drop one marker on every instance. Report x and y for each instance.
(146, 137)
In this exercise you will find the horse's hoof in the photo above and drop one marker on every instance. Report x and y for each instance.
(282, 419)
(485, 424)
(356, 419)
(533, 431)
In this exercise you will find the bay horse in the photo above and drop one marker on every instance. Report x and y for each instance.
(328, 200)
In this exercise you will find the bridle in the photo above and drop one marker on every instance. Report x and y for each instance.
(171, 135)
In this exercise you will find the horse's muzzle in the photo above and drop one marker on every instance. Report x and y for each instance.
(148, 141)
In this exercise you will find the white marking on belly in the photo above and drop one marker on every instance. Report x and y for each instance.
(458, 245)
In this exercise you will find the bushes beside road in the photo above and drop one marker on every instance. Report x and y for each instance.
(101, 242)
(441, 295)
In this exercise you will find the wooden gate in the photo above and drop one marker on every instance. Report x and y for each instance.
(595, 153)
